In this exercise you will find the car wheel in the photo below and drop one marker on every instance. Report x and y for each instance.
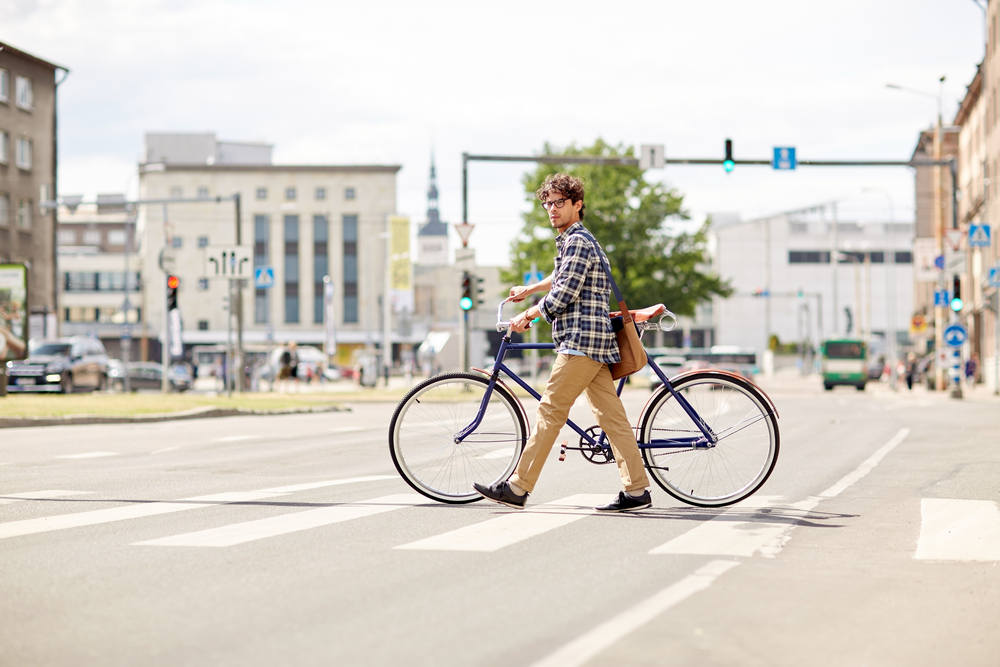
(67, 384)
(102, 383)
(827, 386)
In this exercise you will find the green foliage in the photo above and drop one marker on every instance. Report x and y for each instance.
(652, 263)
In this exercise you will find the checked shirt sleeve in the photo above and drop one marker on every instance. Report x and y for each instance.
(569, 278)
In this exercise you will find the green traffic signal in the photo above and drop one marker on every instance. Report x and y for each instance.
(728, 163)
(956, 304)
(465, 303)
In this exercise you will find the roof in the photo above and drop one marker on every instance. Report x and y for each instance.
(13, 50)
(153, 167)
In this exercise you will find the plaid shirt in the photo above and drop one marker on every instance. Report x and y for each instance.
(577, 304)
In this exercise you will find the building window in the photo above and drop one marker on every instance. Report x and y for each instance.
(4, 85)
(24, 98)
(903, 257)
(203, 284)
(202, 241)
(66, 237)
(202, 325)
(321, 263)
(4, 210)
(808, 256)
(348, 193)
(176, 192)
(320, 193)
(261, 193)
(24, 209)
(176, 242)
(261, 259)
(350, 274)
(117, 237)
(291, 237)
(202, 191)
(4, 147)
(92, 237)
(290, 194)
(23, 157)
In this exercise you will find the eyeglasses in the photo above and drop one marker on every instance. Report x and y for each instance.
(558, 203)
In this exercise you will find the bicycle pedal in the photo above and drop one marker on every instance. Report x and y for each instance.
(562, 451)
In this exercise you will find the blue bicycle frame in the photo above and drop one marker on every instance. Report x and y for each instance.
(706, 440)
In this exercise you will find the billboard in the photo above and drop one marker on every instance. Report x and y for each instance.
(401, 266)
(13, 311)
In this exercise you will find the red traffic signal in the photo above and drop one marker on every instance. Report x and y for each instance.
(173, 282)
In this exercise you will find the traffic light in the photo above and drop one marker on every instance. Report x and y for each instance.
(956, 294)
(173, 282)
(728, 163)
(466, 301)
(477, 291)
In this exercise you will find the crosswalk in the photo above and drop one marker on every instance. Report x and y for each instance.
(950, 529)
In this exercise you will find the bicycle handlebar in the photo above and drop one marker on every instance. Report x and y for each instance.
(643, 326)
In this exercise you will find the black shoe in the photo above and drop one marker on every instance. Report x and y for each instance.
(626, 503)
(501, 493)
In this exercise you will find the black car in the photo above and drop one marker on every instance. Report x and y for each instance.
(63, 365)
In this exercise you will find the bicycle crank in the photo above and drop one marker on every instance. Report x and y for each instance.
(596, 453)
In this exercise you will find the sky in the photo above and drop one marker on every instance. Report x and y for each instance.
(391, 82)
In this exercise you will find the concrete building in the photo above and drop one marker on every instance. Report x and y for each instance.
(28, 170)
(303, 222)
(804, 276)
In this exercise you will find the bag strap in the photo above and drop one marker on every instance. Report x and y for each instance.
(626, 315)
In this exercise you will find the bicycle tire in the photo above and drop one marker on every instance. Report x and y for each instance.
(422, 437)
(737, 465)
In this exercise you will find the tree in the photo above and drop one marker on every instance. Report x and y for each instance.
(652, 261)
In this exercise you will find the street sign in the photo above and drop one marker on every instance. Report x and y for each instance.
(651, 156)
(953, 239)
(784, 158)
(167, 261)
(994, 276)
(228, 261)
(979, 236)
(955, 335)
(530, 278)
(464, 231)
(939, 263)
(941, 297)
(263, 277)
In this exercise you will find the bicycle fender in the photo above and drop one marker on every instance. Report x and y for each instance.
(717, 371)
(520, 406)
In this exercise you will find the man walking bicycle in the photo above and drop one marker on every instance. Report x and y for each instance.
(576, 305)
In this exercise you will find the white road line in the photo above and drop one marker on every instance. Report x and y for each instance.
(510, 529)
(348, 429)
(498, 454)
(596, 639)
(725, 536)
(144, 509)
(87, 455)
(248, 531)
(866, 467)
(8, 498)
(966, 530)
(237, 438)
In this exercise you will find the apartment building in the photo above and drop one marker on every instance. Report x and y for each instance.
(28, 176)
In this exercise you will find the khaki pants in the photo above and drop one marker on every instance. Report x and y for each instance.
(571, 375)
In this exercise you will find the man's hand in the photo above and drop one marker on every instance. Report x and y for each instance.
(522, 321)
(519, 293)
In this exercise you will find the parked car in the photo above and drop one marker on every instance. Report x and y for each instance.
(670, 365)
(62, 365)
(149, 375)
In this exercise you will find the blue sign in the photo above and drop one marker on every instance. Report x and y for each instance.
(955, 335)
(784, 157)
(979, 236)
(536, 277)
(263, 277)
(939, 262)
(941, 297)
(994, 276)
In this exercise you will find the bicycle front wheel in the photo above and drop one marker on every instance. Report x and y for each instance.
(710, 475)
(423, 431)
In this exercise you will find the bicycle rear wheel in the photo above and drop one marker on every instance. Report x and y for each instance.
(423, 429)
(711, 475)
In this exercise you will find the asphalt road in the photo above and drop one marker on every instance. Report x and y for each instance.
(290, 540)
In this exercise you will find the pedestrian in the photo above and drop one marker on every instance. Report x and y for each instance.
(911, 370)
(971, 366)
(577, 307)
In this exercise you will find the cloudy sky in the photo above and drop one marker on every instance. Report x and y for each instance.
(374, 81)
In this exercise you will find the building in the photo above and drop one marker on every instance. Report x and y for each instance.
(432, 237)
(28, 168)
(804, 276)
(301, 224)
(99, 276)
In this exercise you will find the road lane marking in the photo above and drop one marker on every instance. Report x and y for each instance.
(145, 509)
(249, 531)
(510, 529)
(87, 455)
(348, 429)
(952, 529)
(866, 467)
(237, 438)
(595, 640)
(498, 454)
(47, 494)
(725, 535)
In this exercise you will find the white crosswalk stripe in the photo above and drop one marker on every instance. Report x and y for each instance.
(511, 528)
(953, 529)
(248, 531)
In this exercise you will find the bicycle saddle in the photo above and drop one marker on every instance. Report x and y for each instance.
(643, 314)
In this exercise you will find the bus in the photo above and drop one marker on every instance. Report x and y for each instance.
(844, 361)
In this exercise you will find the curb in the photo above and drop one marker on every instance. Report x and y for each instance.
(196, 413)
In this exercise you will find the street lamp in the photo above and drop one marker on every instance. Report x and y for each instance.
(923, 93)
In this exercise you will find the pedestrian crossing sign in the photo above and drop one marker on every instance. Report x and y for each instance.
(979, 236)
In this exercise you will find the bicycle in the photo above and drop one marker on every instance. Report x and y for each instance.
(708, 437)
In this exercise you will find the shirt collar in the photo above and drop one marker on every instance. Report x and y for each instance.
(575, 228)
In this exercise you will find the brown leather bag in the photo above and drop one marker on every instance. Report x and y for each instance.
(633, 355)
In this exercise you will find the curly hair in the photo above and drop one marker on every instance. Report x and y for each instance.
(565, 185)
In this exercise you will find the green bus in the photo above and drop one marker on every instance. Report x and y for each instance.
(844, 361)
